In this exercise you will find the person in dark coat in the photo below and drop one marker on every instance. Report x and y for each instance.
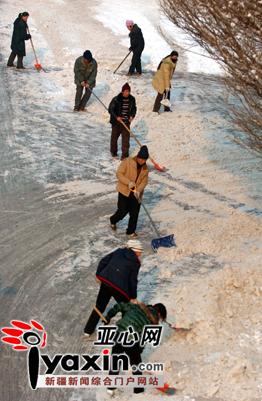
(117, 272)
(121, 108)
(137, 45)
(137, 316)
(20, 35)
(85, 70)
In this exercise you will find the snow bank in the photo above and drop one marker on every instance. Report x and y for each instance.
(221, 355)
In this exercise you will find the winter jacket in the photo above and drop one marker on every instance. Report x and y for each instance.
(85, 72)
(133, 315)
(136, 39)
(115, 107)
(163, 76)
(19, 36)
(127, 172)
(119, 270)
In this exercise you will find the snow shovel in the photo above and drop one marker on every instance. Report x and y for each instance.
(165, 101)
(156, 165)
(100, 315)
(38, 66)
(122, 62)
(179, 329)
(166, 242)
(167, 389)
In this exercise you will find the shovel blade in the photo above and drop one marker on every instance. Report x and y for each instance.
(166, 103)
(165, 242)
(38, 67)
(167, 389)
(157, 166)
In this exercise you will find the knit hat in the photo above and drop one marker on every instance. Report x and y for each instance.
(174, 53)
(161, 309)
(143, 153)
(24, 14)
(129, 23)
(88, 55)
(126, 87)
(134, 244)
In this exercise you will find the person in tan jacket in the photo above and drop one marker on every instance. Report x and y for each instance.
(132, 177)
(162, 79)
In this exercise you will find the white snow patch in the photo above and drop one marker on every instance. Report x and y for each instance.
(149, 19)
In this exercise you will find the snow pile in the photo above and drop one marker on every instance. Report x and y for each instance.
(221, 355)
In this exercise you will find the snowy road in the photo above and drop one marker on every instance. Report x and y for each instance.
(58, 190)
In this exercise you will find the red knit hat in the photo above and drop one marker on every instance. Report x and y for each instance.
(126, 87)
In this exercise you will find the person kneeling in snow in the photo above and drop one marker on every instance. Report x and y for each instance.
(137, 316)
(132, 177)
(162, 79)
(85, 70)
(117, 273)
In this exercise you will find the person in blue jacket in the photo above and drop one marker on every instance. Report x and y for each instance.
(20, 35)
(118, 274)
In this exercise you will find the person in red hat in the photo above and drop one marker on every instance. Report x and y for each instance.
(122, 109)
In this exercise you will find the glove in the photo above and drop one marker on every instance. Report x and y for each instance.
(131, 185)
(130, 49)
(134, 301)
(29, 36)
(108, 321)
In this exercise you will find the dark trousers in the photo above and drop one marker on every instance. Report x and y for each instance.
(127, 204)
(134, 354)
(117, 130)
(80, 100)
(157, 104)
(136, 62)
(11, 60)
(104, 295)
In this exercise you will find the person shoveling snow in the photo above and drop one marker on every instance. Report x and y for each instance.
(132, 177)
(136, 316)
(19, 37)
(85, 71)
(137, 45)
(162, 81)
(117, 272)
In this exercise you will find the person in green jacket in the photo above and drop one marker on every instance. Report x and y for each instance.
(136, 315)
(85, 70)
